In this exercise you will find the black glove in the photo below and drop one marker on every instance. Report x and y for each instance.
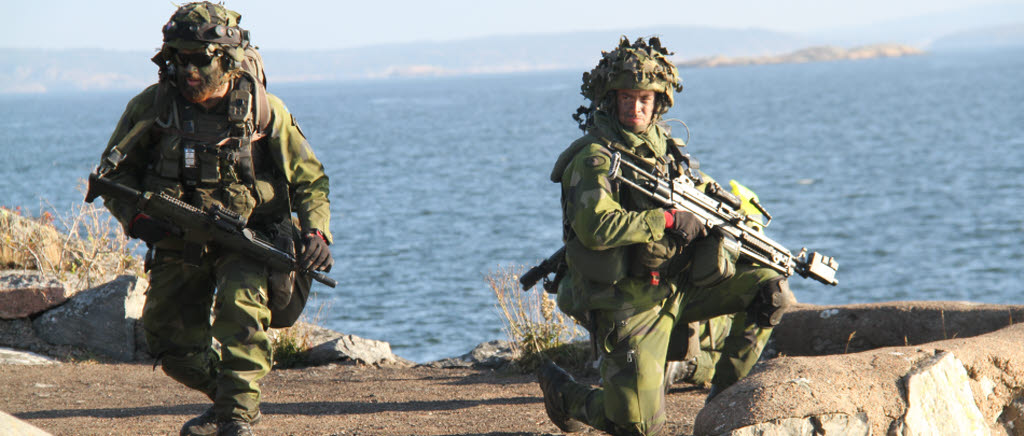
(316, 255)
(149, 229)
(684, 224)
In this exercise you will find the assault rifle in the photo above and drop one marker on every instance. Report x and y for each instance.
(216, 225)
(719, 210)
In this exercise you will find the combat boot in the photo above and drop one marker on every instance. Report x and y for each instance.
(715, 390)
(676, 371)
(552, 380)
(202, 425)
(234, 428)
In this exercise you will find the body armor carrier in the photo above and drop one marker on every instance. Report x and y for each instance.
(209, 158)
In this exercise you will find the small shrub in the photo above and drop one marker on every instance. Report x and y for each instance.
(291, 345)
(290, 348)
(533, 323)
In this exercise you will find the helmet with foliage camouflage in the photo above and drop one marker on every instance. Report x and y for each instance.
(640, 65)
(199, 25)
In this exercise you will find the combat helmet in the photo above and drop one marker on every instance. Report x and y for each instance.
(640, 65)
(207, 25)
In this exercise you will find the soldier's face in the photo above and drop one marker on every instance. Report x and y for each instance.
(200, 76)
(635, 107)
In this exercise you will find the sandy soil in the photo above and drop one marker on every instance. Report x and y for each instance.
(135, 399)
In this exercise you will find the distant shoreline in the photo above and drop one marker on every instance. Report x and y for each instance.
(811, 54)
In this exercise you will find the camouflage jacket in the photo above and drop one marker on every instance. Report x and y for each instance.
(287, 173)
(603, 223)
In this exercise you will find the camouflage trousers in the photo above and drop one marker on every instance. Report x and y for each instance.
(177, 322)
(634, 347)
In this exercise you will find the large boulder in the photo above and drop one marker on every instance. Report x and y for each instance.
(957, 386)
(24, 293)
(810, 330)
(102, 319)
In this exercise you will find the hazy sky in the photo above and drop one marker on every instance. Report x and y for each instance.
(296, 24)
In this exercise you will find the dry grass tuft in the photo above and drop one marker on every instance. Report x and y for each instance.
(292, 344)
(89, 248)
(533, 323)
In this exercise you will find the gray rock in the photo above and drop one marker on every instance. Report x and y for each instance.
(15, 427)
(486, 355)
(329, 348)
(491, 354)
(15, 357)
(101, 319)
(957, 386)
(450, 362)
(940, 400)
(24, 293)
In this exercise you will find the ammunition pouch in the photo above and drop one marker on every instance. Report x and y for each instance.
(714, 259)
(771, 302)
(288, 290)
(666, 256)
(600, 266)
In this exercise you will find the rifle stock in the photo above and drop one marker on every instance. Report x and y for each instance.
(218, 226)
(553, 264)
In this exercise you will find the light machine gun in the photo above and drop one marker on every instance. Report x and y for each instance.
(217, 225)
(719, 211)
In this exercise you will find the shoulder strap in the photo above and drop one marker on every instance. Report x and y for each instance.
(688, 165)
(116, 154)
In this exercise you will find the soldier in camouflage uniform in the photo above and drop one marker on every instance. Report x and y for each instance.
(631, 265)
(209, 134)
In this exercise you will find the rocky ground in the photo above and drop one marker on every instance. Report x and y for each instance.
(338, 399)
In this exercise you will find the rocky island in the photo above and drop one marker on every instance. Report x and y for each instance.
(811, 54)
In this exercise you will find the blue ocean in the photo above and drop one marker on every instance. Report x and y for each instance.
(909, 171)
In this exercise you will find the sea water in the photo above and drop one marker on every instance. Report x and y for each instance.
(907, 170)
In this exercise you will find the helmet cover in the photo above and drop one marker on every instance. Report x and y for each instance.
(640, 65)
(199, 25)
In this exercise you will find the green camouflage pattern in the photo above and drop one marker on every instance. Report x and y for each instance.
(200, 13)
(288, 148)
(176, 319)
(746, 343)
(634, 345)
(633, 66)
(632, 320)
(178, 304)
(595, 213)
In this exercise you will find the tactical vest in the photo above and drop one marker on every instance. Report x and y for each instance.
(662, 165)
(219, 157)
(638, 260)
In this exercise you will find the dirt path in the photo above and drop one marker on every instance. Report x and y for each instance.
(133, 399)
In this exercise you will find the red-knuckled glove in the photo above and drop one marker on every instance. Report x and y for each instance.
(149, 229)
(316, 255)
(684, 224)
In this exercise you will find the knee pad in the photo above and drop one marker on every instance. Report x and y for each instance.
(771, 302)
